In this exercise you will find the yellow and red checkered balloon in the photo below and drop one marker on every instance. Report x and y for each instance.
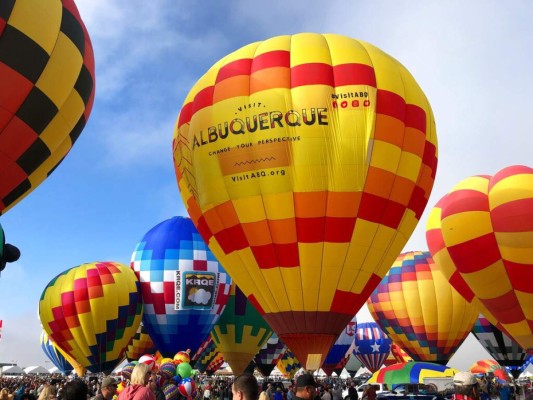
(420, 311)
(481, 236)
(46, 91)
(91, 312)
(305, 162)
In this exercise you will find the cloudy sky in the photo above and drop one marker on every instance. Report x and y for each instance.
(472, 59)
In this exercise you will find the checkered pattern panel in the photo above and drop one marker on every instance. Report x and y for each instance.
(46, 91)
(91, 312)
(140, 344)
(175, 247)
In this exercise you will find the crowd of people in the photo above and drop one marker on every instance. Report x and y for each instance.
(145, 384)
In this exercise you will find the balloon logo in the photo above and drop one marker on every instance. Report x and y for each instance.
(91, 312)
(184, 287)
(420, 311)
(305, 162)
(480, 237)
(46, 91)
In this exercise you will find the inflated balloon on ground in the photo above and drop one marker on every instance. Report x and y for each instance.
(306, 162)
(46, 91)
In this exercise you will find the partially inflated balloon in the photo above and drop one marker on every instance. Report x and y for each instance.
(288, 365)
(420, 311)
(340, 349)
(91, 312)
(184, 287)
(240, 332)
(46, 91)
(207, 355)
(372, 346)
(480, 235)
(215, 364)
(140, 344)
(55, 355)
(306, 162)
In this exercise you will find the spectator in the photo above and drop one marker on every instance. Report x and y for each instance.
(75, 390)
(305, 387)
(245, 387)
(138, 390)
(108, 389)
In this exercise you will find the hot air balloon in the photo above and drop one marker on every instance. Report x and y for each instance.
(8, 252)
(372, 346)
(55, 355)
(208, 354)
(240, 332)
(305, 162)
(184, 288)
(353, 364)
(46, 91)
(208, 341)
(140, 344)
(480, 237)
(268, 356)
(399, 354)
(500, 346)
(91, 312)
(289, 365)
(339, 350)
(215, 364)
(489, 366)
(420, 311)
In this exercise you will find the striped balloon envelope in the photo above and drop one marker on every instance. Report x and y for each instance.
(54, 355)
(353, 364)
(207, 353)
(184, 288)
(46, 91)
(420, 311)
(411, 372)
(372, 346)
(305, 162)
(240, 332)
(480, 236)
(140, 344)
(215, 364)
(91, 312)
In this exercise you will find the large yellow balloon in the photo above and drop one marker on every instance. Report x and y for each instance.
(91, 312)
(306, 162)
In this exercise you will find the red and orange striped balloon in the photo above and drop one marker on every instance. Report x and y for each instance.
(306, 162)
(481, 236)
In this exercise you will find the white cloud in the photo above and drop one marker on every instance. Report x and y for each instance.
(200, 296)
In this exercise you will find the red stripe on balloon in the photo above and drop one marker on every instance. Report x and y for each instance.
(312, 74)
(506, 308)
(508, 172)
(234, 68)
(473, 261)
(391, 104)
(204, 98)
(354, 74)
(513, 216)
(276, 58)
(464, 200)
(520, 275)
(310, 230)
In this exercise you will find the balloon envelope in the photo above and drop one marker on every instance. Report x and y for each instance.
(480, 237)
(420, 311)
(340, 348)
(411, 372)
(240, 332)
(91, 312)
(268, 356)
(184, 288)
(289, 365)
(372, 346)
(140, 344)
(306, 162)
(46, 91)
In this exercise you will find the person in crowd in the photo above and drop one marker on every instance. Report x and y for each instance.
(306, 387)
(278, 394)
(326, 394)
(245, 387)
(336, 392)
(154, 385)
(108, 389)
(75, 390)
(369, 393)
(290, 393)
(466, 386)
(352, 392)
(138, 389)
(48, 392)
(5, 395)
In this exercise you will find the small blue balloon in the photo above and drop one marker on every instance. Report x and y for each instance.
(177, 379)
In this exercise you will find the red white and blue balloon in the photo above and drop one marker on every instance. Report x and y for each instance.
(372, 345)
(184, 288)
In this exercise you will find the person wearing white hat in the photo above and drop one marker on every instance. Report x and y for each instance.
(466, 386)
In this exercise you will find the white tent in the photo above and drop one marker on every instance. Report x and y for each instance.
(54, 370)
(36, 370)
(12, 370)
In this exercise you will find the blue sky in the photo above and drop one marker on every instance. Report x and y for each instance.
(472, 59)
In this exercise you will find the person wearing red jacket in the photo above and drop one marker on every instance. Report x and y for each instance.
(138, 389)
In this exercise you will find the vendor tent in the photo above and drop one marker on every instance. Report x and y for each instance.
(12, 370)
(36, 370)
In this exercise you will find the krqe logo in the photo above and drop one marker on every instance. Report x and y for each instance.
(350, 328)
